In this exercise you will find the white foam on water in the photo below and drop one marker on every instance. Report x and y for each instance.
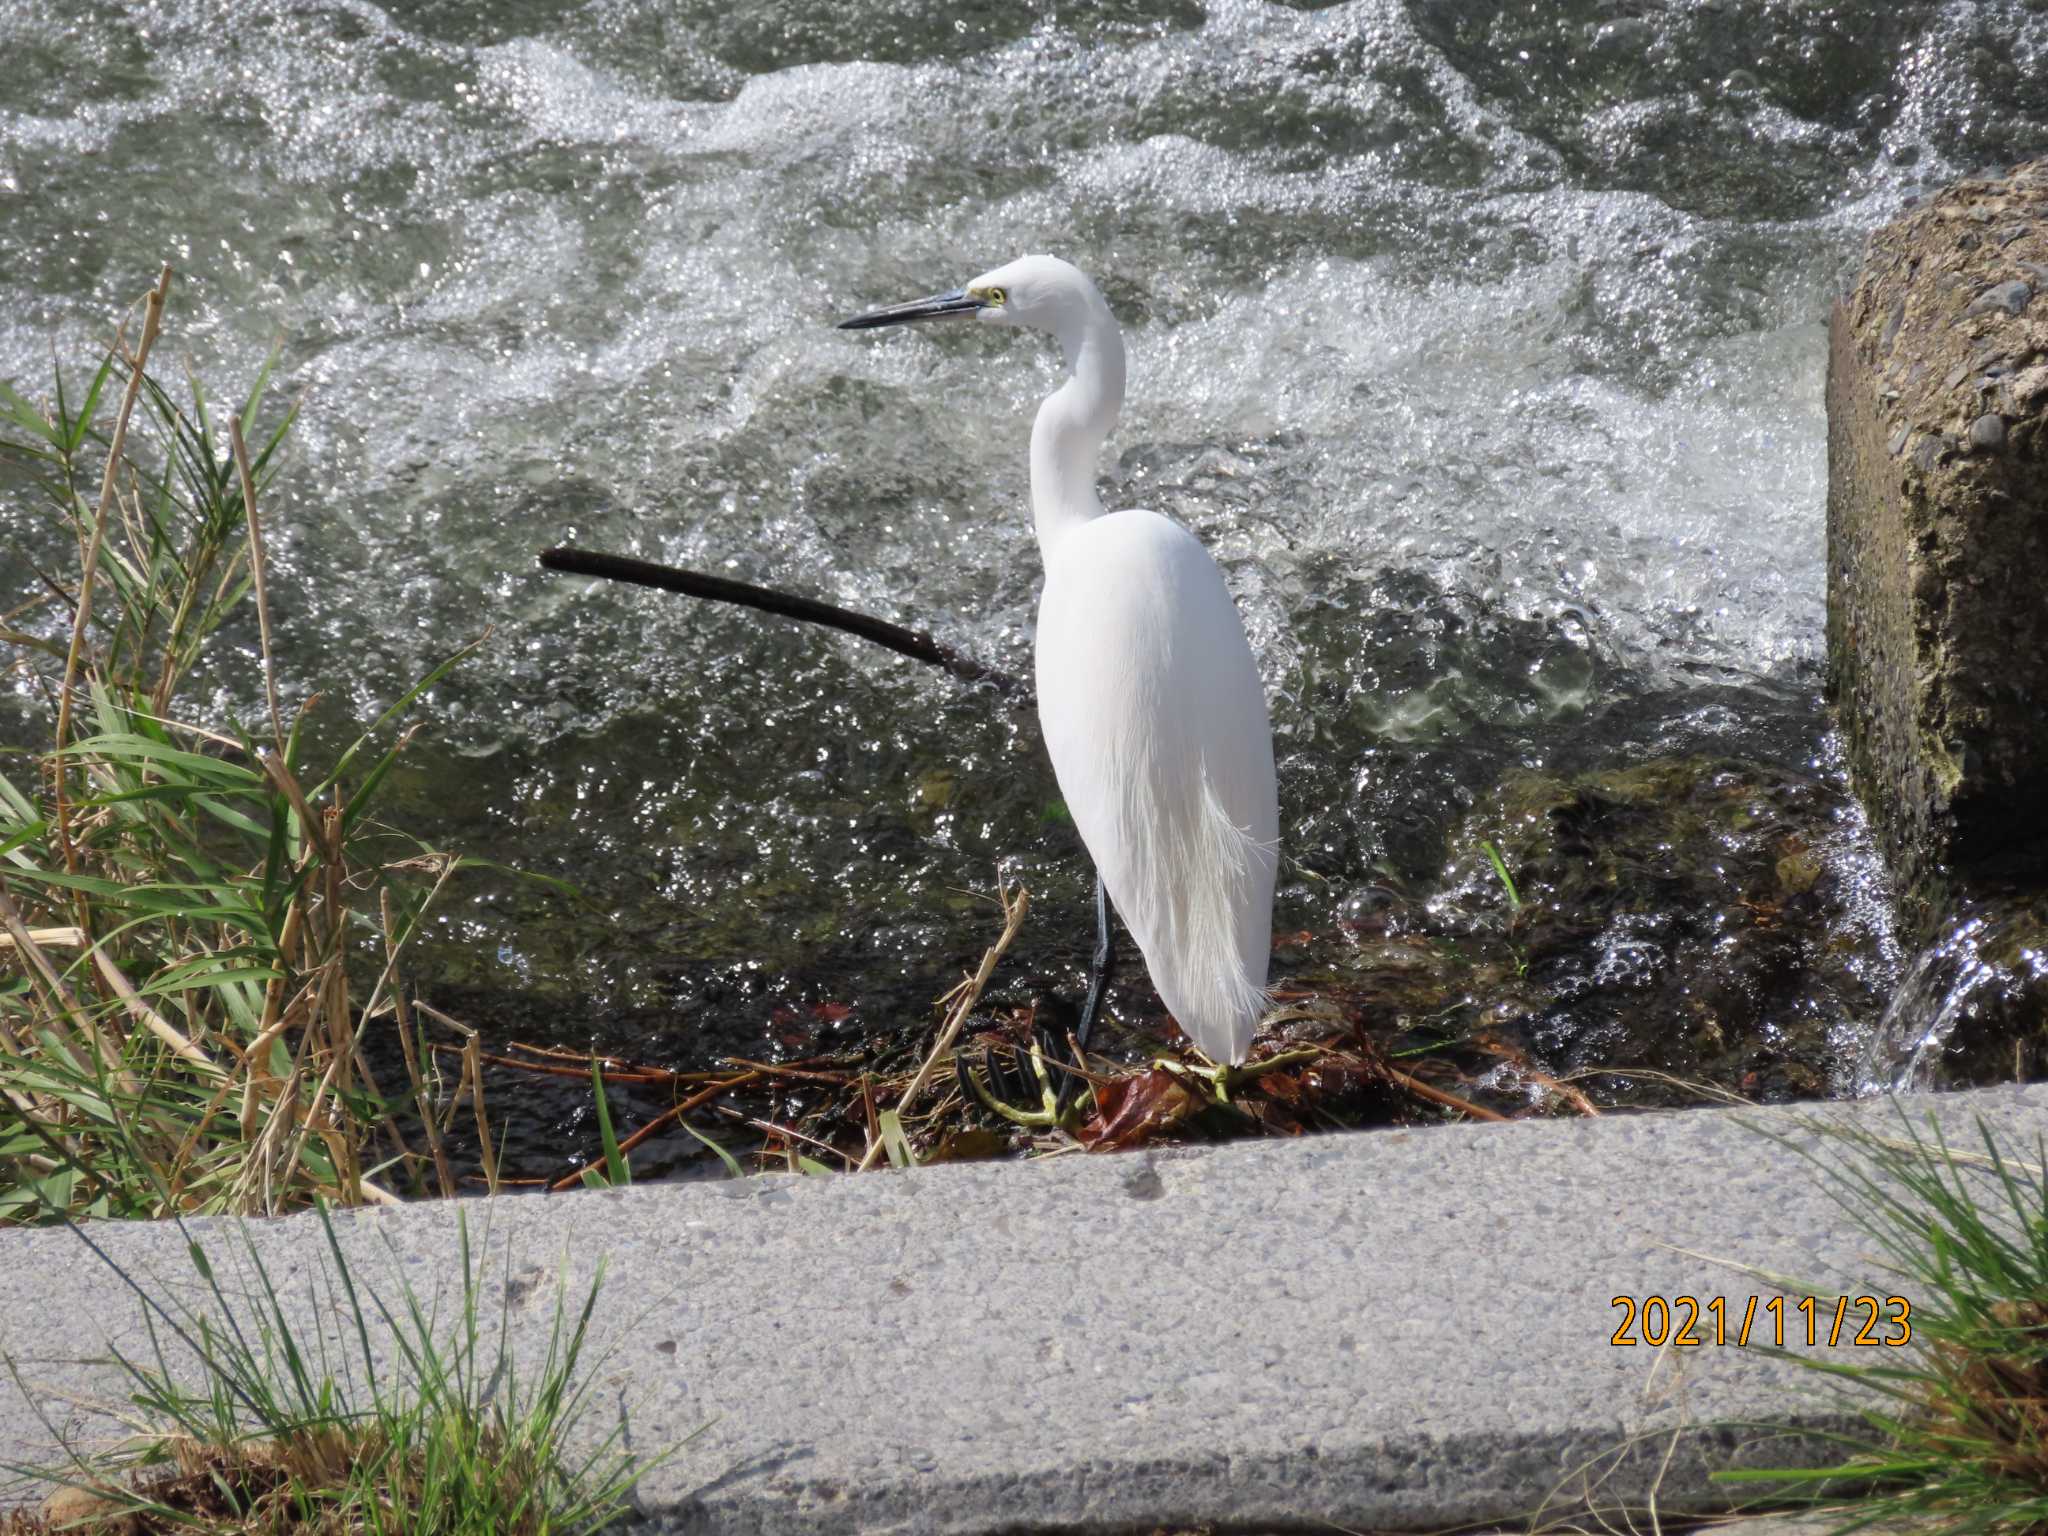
(1484, 298)
(525, 262)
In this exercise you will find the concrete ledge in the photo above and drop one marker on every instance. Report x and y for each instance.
(1400, 1330)
(1938, 533)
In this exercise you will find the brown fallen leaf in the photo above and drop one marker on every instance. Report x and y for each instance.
(1129, 1110)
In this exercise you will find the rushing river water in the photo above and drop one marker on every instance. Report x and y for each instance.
(1483, 343)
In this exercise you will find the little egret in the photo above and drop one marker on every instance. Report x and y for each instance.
(1148, 695)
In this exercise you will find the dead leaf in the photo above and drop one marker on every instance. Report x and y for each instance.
(1130, 1110)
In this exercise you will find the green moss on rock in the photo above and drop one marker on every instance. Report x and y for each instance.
(1938, 535)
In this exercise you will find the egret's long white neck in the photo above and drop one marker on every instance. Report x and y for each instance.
(1073, 421)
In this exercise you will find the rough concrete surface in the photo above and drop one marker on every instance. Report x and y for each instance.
(1938, 530)
(1396, 1330)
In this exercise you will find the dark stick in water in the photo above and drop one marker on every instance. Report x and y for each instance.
(907, 642)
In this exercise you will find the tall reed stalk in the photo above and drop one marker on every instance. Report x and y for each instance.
(196, 917)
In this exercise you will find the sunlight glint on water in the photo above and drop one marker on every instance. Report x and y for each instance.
(1489, 315)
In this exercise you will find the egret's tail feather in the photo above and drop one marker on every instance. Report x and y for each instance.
(1230, 872)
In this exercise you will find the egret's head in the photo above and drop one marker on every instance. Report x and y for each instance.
(1042, 292)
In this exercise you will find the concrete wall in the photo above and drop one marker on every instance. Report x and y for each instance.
(1938, 532)
(1403, 1330)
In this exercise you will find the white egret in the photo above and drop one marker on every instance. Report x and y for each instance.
(1148, 693)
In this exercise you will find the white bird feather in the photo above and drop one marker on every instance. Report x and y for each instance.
(1148, 693)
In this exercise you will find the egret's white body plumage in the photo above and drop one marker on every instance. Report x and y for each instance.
(1156, 723)
(1151, 703)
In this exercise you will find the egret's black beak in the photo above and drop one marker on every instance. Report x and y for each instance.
(940, 306)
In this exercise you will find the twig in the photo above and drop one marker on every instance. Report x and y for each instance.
(905, 642)
(1711, 1092)
(394, 945)
(441, 1018)
(673, 1113)
(968, 994)
(50, 938)
(1519, 1060)
(836, 1079)
(313, 1119)
(642, 1075)
(787, 1132)
(483, 1125)
(39, 967)
(153, 1021)
(258, 569)
(403, 1014)
(1422, 1090)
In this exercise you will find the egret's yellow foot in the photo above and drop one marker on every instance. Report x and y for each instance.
(1033, 1075)
(1222, 1081)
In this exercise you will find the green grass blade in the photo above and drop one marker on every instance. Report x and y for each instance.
(894, 1141)
(617, 1171)
(732, 1164)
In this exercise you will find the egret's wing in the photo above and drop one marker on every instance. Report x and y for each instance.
(1156, 722)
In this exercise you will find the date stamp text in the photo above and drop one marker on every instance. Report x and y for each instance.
(1685, 1320)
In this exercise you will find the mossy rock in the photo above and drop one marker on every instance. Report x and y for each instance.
(1682, 916)
(1937, 402)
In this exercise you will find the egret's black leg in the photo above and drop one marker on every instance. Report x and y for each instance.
(1099, 966)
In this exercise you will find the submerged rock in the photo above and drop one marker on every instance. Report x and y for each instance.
(1698, 916)
(1648, 934)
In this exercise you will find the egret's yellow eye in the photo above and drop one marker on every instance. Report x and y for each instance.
(994, 295)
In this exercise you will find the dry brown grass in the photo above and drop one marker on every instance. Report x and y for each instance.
(183, 906)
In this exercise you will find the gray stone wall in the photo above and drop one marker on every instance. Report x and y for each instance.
(1938, 534)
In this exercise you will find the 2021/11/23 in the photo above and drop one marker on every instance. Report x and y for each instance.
(1664, 1313)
